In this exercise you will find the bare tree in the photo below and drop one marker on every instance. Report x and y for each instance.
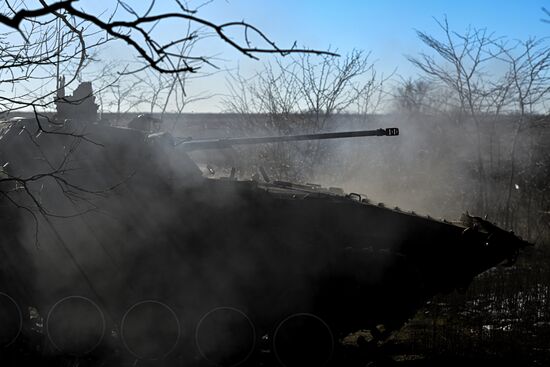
(411, 95)
(159, 56)
(499, 87)
(37, 54)
(529, 79)
(461, 66)
(56, 38)
(301, 96)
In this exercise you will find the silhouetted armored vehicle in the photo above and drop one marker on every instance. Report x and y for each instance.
(114, 237)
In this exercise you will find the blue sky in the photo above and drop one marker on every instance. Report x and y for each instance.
(386, 28)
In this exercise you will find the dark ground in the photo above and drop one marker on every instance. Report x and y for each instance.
(502, 319)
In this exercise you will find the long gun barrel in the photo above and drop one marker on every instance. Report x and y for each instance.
(189, 144)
